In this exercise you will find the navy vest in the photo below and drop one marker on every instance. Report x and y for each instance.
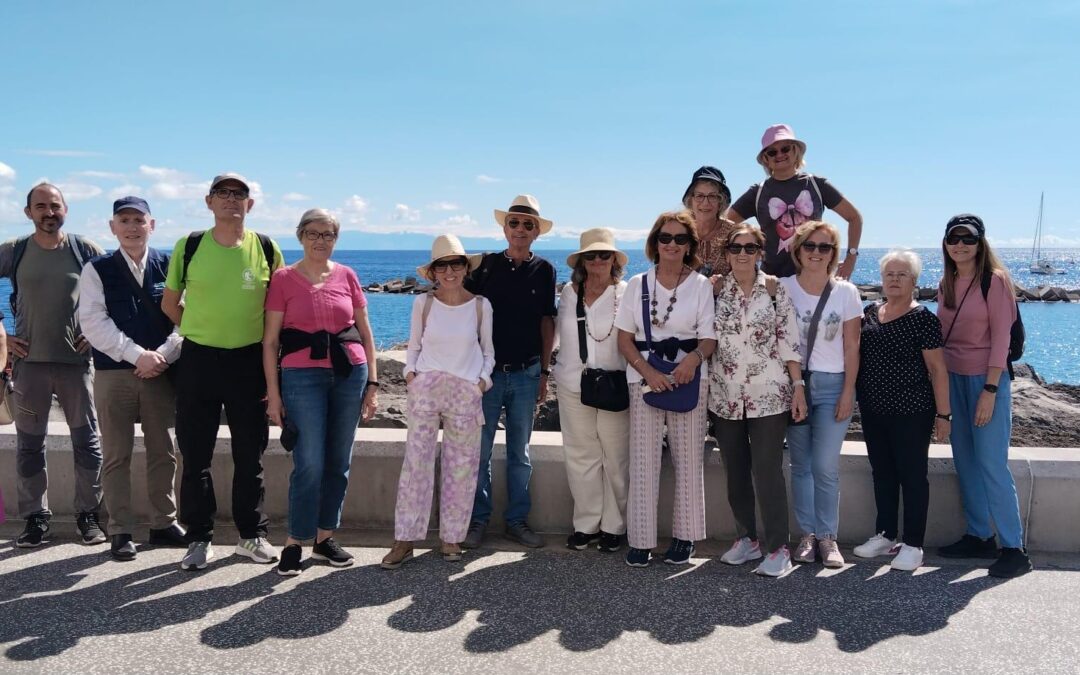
(125, 308)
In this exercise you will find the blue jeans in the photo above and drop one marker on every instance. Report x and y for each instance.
(815, 459)
(981, 456)
(516, 393)
(325, 409)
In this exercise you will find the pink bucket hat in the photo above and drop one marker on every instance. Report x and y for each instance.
(779, 132)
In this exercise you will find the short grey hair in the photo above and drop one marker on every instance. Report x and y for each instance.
(904, 255)
(317, 216)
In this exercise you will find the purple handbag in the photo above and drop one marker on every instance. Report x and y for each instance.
(683, 398)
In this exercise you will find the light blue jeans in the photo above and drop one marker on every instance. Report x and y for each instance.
(815, 459)
(981, 456)
(516, 393)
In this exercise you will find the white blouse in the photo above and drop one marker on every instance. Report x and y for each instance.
(603, 352)
(691, 317)
(450, 342)
(844, 304)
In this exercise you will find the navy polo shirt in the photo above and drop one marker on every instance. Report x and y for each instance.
(520, 297)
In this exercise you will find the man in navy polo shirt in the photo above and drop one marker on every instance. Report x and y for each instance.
(521, 288)
(133, 345)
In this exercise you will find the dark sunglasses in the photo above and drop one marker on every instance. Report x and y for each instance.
(736, 249)
(515, 223)
(823, 247)
(456, 264)
(593, 255)
(968, 239)
(667, 238)
(782, 150)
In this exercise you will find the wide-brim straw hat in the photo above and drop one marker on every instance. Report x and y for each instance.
(524, 205)
(597, 239)
(448, 246)
(778, 132)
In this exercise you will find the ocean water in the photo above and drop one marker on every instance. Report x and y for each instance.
(1053, 329)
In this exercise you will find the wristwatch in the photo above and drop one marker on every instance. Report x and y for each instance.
(545, 371)
(947, 416)
(992, 388)
(853, 251)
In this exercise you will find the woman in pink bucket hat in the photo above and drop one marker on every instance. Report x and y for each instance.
(788, 198)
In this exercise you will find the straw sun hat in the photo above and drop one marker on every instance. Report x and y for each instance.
(524, 205)
(597, 239)
(448, 246)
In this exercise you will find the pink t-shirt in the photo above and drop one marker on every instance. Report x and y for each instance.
(329, 307)
(979, 336)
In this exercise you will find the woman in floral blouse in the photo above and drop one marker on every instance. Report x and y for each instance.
(751, 398)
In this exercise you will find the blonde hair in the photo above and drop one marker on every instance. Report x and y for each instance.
(797, 150)
(804, 232)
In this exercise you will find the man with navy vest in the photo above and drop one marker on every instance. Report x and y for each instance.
(51, 358)
(133, 345)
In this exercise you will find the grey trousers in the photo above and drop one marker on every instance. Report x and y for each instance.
(35, 384)
(123, 399)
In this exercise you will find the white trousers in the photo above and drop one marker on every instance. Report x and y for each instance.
(596, 444)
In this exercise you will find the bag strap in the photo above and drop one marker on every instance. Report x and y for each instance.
(190, 246)
(817, 190)
(645, 310)
(770, 287)
(583, 349)
(958, 308)
(811, 336)
(165, 324)
(429, 298)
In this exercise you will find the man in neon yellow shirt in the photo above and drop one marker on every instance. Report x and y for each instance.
(222, 274)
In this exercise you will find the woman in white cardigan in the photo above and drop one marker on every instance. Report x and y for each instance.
(596, 442)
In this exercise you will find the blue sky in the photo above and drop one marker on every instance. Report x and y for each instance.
(416, 121)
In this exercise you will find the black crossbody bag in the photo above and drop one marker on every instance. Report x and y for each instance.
(601, 389)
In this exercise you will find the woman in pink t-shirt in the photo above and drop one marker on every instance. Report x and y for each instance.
(317, 323)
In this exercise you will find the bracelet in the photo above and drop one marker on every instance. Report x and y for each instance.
(373, 383)
(944, 416)
(700, 354)
(545, 371)
(634, 365)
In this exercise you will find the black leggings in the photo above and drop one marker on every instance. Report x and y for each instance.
(898, 446)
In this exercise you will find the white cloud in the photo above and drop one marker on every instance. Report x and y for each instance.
(6, 172)
(161, 173)
(355, 210)
(74, 192)
(484, 178)
(402, 212)
(443, 206)
(125, 190)
(64, 153)
(99, 174)
(178, 190)
(294, 197)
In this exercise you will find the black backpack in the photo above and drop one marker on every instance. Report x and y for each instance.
(83, 254)
(192, 245)
(1017, 334)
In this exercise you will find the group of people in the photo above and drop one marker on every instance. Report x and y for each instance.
(752, 335)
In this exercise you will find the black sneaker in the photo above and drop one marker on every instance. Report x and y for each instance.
(609, 543)
(122, 548)
(171, 536)
(970, 546)
(638, 557)
(1012, 563)
(475, 536)
(328, 550)
(35, 532)
(289, 565)
(89, 529)
(680, 552)
(579, 541)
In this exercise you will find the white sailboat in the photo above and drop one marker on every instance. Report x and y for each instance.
(1039, 264)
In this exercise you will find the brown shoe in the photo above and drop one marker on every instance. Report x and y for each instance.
(401, 552)
(450, 552)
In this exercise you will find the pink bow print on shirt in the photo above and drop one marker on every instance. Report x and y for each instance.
(796, 213)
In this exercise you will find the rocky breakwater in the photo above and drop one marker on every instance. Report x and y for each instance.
(1046, 293)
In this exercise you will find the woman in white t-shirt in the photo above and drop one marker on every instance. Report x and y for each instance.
(680, 311)
(595, 442)
(447, 368)
(832, 370)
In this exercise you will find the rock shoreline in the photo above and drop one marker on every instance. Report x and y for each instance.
(1044, 293)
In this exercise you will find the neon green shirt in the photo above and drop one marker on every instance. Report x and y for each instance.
(225, 290)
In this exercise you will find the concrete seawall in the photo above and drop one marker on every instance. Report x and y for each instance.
(1047, 480)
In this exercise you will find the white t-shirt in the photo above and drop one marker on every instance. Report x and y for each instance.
(691, 317)
(843, 305)
(600, 318)
(450, 342)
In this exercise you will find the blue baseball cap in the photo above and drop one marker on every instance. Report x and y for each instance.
(129, 202)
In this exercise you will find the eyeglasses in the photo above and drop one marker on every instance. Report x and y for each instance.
(225, 193)
(312, 235)
(667, 238)
(736, 249)
(593, 255)
(515, 223)
(456, 264)
(823, 247)
(782, 150)
(710, 197)
(897, 276)
(954, 239)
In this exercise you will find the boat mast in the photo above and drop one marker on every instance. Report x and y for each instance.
(1036, 246)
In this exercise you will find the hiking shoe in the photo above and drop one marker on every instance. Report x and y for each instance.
(806, 551)
(680, 552)
(776, 564)
(122, 547)
(876, 545)
(475, 536)
(90, 531)
(743, 550)
(830, 553)
(35, 532)
(290, 565)
(450, 552)
(970, 546)
(609, 543)
(198, 553)
(171, 536)
(638, 557)
(258, 549)
(328, 550)
(1012, 563)
(579, 541)
(523, 534)
(908, 558)
(400, 553)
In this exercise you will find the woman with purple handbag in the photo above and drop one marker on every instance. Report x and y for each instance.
(666, 334)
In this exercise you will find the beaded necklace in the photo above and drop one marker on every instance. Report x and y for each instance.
(671, 302)
(614, 313)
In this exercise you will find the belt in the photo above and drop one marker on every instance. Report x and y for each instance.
(514, 367)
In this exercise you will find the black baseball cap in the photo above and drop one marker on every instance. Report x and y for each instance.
(970, 222)
(129, 202)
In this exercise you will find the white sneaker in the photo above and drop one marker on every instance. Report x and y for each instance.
(908, 559)
(875, 546)
(258, 549)
(777, 564)
(198, 553)
(743, 550)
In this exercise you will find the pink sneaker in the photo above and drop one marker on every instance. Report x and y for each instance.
(830, 553)
(806, 551)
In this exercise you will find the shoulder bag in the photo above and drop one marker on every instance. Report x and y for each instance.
(683, 398)
(601, 389)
